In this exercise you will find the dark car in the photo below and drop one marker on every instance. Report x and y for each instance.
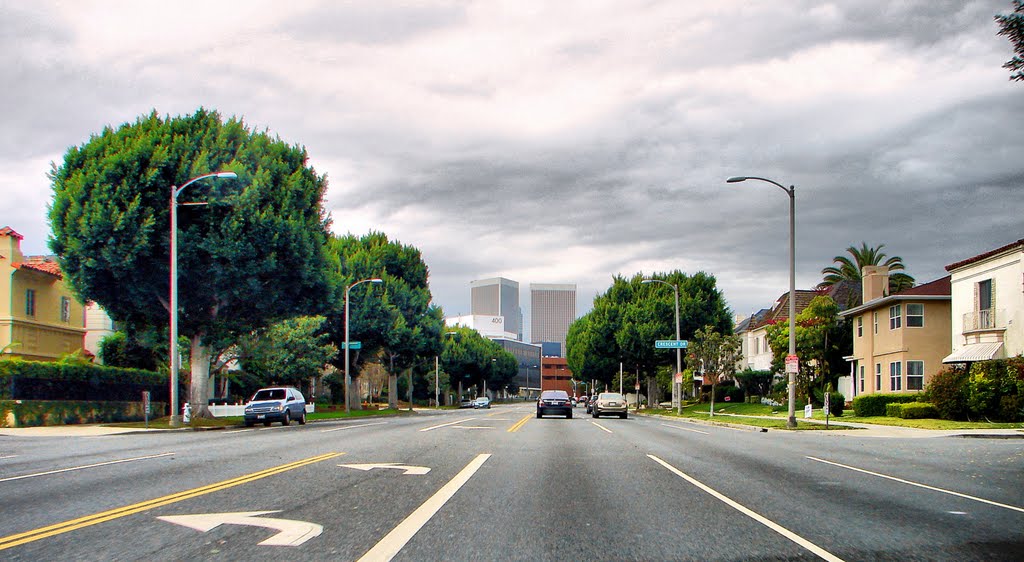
(554, 402)
(282, 404)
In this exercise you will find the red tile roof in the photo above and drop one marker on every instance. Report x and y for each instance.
(939, 287)
(988, 254)
(48, 267)
(8, 231)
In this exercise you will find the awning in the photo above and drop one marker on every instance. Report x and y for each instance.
(974, 352)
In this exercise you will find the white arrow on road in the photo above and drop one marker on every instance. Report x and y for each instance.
(406, 468)
(292, 533)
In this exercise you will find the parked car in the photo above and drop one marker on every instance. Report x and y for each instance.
(482, 402)
(554, 402)
(608, 403)
(282, 404)
(466, 403)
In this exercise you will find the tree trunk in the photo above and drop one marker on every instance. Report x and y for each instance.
(392, 391)
(199, 393)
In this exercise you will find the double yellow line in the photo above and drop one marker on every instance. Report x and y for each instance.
(515, 427)
(67, 526)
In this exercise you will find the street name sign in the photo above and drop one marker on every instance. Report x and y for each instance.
(354, 344)
(670, 344)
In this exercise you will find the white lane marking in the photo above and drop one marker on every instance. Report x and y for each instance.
(10, 478)
(925, 486)
(686, 429)
(446, 424)
(820, 552)
(370, 466)
(352, 427)
(393, 542)
(8, 456)
(601, 426)
(472, 427)
(290, 532)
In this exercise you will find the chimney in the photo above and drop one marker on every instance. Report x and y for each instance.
(874, 281)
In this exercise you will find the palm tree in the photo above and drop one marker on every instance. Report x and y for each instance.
(846, 269)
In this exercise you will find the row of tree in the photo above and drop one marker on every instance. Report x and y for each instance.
(261, 278)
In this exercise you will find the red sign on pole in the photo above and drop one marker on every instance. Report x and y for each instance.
(792, 364)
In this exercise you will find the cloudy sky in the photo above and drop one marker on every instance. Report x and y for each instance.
(566, 142)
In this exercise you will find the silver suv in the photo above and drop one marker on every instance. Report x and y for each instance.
(282, 403)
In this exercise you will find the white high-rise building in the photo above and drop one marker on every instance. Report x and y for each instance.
(498, 297)
(552, 310)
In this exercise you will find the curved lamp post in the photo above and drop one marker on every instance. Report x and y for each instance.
(348, 381)
(677, 397)
(175, 357)
(791, 191)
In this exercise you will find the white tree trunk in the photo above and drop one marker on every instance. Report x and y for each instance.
(392, 391)
(199, 391)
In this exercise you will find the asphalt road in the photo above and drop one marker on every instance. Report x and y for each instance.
(503, 485)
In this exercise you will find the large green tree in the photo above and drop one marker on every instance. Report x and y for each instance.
(1012, 27)
(252, 256)
(821, 342)
(395, 320)
(292, 351)
(849, 268)
(626, 320)
(470, 359)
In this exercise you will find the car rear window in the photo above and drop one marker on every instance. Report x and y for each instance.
(553, 394)
(610, 396)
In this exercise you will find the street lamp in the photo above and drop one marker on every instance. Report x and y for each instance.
(175, 358)
(348, 381)
(677, 398)
(791, 191)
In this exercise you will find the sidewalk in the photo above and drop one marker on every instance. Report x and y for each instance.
(85, 430)
(867, 429)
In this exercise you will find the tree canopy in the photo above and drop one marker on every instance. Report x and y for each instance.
(626, 320)
(253, 255)
(470, 359)
(849, 268)
(821, 341)
(1011, 26)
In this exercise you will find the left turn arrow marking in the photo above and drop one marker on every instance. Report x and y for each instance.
(291, 533)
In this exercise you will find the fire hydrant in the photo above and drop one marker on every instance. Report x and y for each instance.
(186, 413)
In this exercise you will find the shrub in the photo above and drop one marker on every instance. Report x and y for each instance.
(947, 390)
(836, 403)
(38, 380)
(874, 404)
(911, 410)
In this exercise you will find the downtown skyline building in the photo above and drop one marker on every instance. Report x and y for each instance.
(552, 311)
(499, 297)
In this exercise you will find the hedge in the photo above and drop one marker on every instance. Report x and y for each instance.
(38, 380)
(911, 410)
(874, 404)
(31, 413)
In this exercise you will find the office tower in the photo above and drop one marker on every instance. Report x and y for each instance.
(552, 310)
(498, 297)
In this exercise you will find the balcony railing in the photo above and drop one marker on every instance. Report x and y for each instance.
(987, 319)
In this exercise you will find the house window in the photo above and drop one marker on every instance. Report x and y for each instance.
(878, 377)
(915, 375)
(896, 376)
(862, 378)
(895, 318)
(757, 346)
(65, 309)
(860, 326)
(30, 302)
(915, 315)
(985, 313)
(874, 315)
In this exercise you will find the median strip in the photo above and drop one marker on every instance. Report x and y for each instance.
(89, 520)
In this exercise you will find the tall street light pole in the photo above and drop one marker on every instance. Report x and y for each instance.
(175, 361)
(677, 397)
(348, 381)
(792, 364)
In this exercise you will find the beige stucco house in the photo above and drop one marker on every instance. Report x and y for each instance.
(988, 305)
(40, 318)
(899, 340)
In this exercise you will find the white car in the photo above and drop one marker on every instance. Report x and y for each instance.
(482, 402)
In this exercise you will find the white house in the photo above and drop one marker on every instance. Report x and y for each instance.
(988, 305)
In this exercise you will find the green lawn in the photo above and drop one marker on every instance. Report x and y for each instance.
(779, 415)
